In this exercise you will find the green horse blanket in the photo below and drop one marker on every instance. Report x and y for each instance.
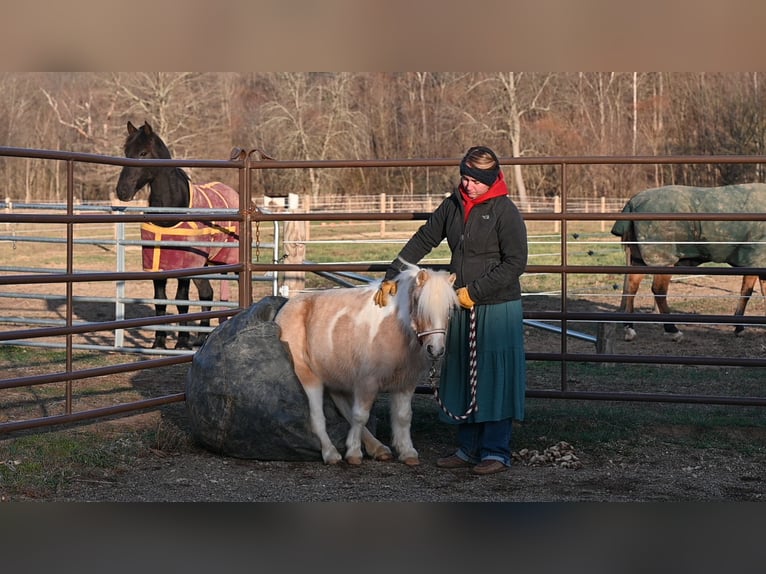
(689, 243)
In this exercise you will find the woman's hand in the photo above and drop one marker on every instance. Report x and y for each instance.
(381, 295)
(464, 298)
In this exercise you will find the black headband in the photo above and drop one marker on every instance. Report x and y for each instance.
(485, 176)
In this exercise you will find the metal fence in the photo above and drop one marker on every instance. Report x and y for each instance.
(118, 237)
(254, 218)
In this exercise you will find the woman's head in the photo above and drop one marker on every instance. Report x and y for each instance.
(479, 169)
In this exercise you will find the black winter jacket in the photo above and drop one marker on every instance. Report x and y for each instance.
(489, 251)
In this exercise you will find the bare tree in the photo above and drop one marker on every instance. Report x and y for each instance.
(188, 109)
(318, 116)
(502, 102)
(309, 116)
(82, 104)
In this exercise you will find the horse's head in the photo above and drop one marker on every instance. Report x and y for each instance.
(140, 143)
(432, 299)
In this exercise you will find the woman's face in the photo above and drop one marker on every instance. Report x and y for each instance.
(472, 187)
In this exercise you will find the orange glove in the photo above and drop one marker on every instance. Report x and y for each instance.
(386, 288)
(464, 298)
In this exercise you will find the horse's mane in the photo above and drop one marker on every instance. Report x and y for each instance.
(153, 141)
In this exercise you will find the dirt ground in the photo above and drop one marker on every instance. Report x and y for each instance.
(657, 470)
(654, 467)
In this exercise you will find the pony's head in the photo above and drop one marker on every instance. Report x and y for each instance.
(428, 298)
(140, 143)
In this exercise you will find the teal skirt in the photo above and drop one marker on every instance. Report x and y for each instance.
(501, 364)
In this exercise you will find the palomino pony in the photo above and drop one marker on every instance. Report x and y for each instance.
(691, 243)
(170, 187)
(340, 339)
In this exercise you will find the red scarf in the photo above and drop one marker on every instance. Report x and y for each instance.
(496, 190)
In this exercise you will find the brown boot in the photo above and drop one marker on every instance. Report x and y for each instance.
(489, 467)
(452, 461)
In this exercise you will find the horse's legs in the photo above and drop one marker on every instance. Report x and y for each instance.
(160, 309)
(182, 294)
(629, 289)
(745, 292)
(660, 289)
(372, 446)
(315, 395)
(401, 420)
(205, 291)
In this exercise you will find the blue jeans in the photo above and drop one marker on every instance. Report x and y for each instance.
(489, 440)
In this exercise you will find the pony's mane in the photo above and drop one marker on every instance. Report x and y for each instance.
(438, 296)
(436, 299)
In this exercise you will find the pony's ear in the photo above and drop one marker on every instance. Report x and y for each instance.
(131, 128)
(452, 277)
(421, 278)
(147, 128)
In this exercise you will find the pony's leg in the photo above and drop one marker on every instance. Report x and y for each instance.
(629, 289)
(401, 421)
(160, 309)
(315, 395)
(205, 291)
(372, 446)
(660, 289)
(361, 405)
(182, 294)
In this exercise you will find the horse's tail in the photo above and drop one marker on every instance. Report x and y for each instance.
(623, 228)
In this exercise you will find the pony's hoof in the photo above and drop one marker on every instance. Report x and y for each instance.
(354, 460)
(383, 454)
(411, 461)
(332, 456)
(675, 337)
(630, 334)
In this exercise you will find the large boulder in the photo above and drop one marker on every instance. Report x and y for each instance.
(243, 397)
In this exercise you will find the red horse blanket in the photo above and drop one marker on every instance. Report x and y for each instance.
(214, 195)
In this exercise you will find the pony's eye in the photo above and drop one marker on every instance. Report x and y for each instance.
(143, 153)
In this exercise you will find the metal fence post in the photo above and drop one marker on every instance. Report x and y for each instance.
(119, 300)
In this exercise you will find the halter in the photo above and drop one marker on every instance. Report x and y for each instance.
(431, 332)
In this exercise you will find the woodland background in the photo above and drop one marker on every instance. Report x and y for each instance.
(371, 115)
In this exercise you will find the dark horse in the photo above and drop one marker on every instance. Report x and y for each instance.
(691, 243)
(170, 187)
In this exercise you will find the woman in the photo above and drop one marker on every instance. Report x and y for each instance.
(488, 242)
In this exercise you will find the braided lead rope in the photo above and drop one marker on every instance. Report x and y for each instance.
(472, 374)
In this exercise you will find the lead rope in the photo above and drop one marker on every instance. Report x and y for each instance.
(472, 373)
